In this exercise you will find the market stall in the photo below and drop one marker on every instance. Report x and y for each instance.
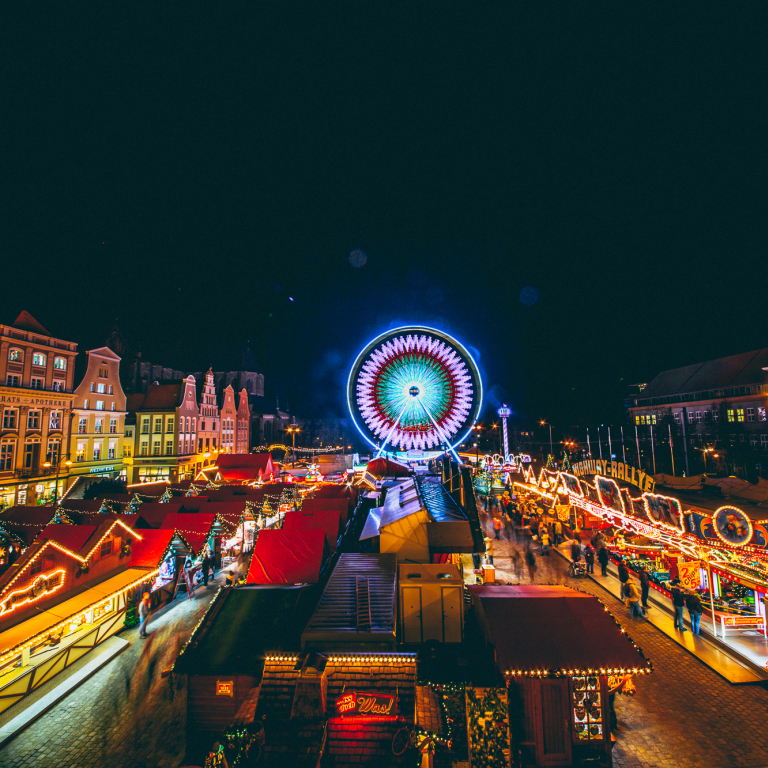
(288, 557)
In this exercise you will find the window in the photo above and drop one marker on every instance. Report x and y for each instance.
(55, 422)
(112, 408)
(85, 403)
(169, 447)
(6, 456)
(750, 414)
(156, 448)
(93, 387)
(100, 389)
(145, 426)
(690, 417)
(698, 417)
(36, 567)
(761, 414)
(715, 415)
(97, 451)
(9, 418)
(103, 372)
(54, 446)
(158, 424)
(214, 443)
(113, 426)
(739, 414)
(60, 363)
(194, 419)
(11, 381)
(202, 425)
(169, 425)
(82, 426)
(181, 447)
(97, 427)
(706, 416)
(742, 438)
(99, 405)
(58, 386)
(731, 416)
(144, 449)
(110, 389)
(33, 420)
(15, 355)
(106, 548)
(112, 450)
(80, 452)
(764, 442)
(732, 438)
(38, 358)
(677, 417)
(126, 450)
(200, 445)
(753, 441)
(36, 383)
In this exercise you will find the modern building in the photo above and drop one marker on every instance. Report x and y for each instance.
(164, 422)
(722, 401)
(36, 382)
(98, 409)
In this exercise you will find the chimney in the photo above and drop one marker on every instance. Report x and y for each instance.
(311, 695)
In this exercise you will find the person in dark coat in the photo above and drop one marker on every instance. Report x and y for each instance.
(623, 573)
(602, 557)
(575, 551)
(645, 586)
(678, 600)
(695, 609)
(589, 558)
(206, 568)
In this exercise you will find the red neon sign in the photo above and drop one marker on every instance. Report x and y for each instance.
(374, 705)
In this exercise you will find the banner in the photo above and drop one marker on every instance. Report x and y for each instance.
(689, 574)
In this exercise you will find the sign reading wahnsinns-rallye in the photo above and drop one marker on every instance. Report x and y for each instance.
(616, 469)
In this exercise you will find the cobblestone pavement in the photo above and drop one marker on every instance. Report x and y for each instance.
(126, 715)
(684, 714)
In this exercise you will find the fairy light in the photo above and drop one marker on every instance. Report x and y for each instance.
(32, 598)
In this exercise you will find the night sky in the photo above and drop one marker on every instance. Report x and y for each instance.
(576, 191)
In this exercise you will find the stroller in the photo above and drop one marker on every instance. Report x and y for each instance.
(577, 569)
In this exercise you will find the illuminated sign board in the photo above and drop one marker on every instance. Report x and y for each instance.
(356, 704)
(225, 687)
(43, 585)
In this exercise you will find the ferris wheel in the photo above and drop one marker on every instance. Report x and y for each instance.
(415, 391)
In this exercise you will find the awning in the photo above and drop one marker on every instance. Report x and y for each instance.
(68, 609)
(328, 520)
(288, 557)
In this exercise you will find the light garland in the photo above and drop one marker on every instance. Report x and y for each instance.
(674, 510)
(33, 598)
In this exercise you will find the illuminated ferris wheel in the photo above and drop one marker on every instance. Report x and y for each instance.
(415, 391)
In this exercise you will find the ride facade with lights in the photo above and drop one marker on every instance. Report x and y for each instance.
(414, 393)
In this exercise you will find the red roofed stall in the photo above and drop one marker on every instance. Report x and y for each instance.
(385, 467)
(288, 557)
(246, 466)
(322, 505)
(328, 520)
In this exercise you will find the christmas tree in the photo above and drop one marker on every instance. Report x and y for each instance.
(566, 467)
(131, 615)
(550, 461)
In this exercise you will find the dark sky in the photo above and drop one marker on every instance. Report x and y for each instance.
(189, 170)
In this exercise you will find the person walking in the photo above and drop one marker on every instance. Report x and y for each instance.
(517, 562)
(589, 558)
(695, 609)
(633, 598)
(623, 573)
(206, 567)
(678, 600)
(489, 549)
(497, 527)
(575, 551)
(144, 607)
(545, 542)
(530, 561)
(645, 586)
(602, 556)
(558, 532)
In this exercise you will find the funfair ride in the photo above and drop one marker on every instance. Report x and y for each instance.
(414, 393)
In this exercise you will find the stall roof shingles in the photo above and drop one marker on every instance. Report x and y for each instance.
(440, 504)
(328, 521)
(73, 537)
(148, 551)
(553, 627)
(288, 557)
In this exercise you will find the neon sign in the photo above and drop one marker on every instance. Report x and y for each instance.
(355, 704)
(42, 586)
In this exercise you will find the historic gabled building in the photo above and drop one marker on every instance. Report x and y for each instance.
(228, 419)
(165, 420)
(98, 424)
(36, 382)
(243, 425)
(208, 427)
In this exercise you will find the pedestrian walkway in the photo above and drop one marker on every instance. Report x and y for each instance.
(661, 616)
(684, 714)
(126, 715)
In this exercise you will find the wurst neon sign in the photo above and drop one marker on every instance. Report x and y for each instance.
(355, 704)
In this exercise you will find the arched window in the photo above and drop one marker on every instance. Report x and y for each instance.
(38, 358)
(15, 355)
(60, 363)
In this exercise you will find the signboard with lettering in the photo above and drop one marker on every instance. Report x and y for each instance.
(40, 587)
(616, 469)
(356, 704)
(225, 687)
(689, 574)
(9, 397)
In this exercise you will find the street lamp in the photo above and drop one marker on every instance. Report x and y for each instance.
(543, 423)
(705, 451)
(292, 430)
(476, 428)
(67, 464)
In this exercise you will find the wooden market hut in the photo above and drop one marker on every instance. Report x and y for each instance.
(557, 648)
